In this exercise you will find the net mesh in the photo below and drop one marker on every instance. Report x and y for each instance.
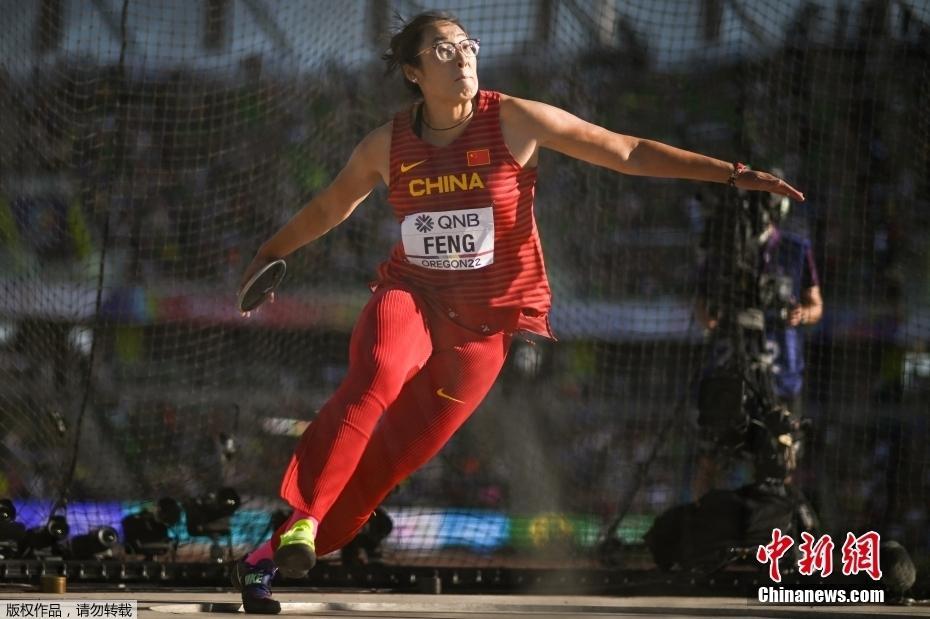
(148, 147)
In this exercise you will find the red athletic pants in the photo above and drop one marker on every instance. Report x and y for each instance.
(414, 378)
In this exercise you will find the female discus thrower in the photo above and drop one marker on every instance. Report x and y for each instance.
(467, 274)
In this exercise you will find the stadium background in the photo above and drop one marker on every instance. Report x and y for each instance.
(147, 148)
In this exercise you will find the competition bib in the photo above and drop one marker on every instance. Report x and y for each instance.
(450, 240)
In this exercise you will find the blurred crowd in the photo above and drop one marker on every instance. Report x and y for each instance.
(179, 176)
(187, 174)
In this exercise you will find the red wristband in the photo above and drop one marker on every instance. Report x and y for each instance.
(738, 168)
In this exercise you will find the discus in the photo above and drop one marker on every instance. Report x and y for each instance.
(261, 285)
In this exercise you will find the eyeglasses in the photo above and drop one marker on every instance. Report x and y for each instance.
(445, 50)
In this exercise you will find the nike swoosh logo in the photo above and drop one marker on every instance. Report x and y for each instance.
(404, 168)
(442, 394)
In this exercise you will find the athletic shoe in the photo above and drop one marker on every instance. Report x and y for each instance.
(296, 553)
(255, 581)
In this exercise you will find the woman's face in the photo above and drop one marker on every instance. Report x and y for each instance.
(455, 80)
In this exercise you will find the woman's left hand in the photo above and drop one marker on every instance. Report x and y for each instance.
(755, 180)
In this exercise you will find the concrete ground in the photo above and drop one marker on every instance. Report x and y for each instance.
(168, 604)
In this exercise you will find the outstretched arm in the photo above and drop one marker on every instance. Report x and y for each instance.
(331, 206)
(561, 131)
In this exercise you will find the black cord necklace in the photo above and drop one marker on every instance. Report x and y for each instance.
(422, 117)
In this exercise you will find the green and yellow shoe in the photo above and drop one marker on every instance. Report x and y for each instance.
(296, 554)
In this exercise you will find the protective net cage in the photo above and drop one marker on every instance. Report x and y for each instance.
(148, 147)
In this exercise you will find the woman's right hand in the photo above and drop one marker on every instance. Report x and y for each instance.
(260, 260)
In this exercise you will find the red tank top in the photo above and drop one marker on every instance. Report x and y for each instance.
(469, 243)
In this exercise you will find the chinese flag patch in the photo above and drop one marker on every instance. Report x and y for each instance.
(478, 157)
